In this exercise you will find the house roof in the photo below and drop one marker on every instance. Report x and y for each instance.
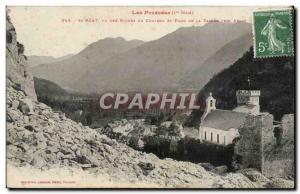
(224, 119)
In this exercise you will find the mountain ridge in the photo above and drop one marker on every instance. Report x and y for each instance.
(222, 59)
(277, 95)
(157, 64)
(66, 71)
(34, 60)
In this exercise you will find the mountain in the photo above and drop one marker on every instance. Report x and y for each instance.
(274, 77)
(35, 60)
(47, 88)
(116, 64)
(162, 63)
(66, 72)
(223, 58)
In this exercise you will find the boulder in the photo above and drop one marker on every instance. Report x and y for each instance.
(38, 162)
(23, 146)
(26, 106)
(146, 167)
(207, 166)
(220, 169)
(12, 115)
(26, 119)
(254, 175)
(15, 104)
(282, 183)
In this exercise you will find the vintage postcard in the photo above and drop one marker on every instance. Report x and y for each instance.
(153, 97)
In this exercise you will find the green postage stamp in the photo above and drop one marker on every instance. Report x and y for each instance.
(273, 33)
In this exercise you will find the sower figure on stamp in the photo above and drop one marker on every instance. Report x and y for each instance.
(274, 44)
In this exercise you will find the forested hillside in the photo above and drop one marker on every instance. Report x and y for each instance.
(274, 77)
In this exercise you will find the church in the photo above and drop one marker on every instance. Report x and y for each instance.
(222, 126)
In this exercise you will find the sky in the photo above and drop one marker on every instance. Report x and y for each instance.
(58, 31)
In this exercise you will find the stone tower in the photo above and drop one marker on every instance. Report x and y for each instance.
(256, 136)
(249, 98)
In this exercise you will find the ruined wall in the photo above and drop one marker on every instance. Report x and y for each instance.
(288, 126)
(278, 159)
(277, 167)
(256, 129)
(259, 149)
(267, 130)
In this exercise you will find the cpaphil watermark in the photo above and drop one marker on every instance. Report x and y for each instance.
(140, 101)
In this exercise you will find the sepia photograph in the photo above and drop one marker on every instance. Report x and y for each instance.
(150, 97)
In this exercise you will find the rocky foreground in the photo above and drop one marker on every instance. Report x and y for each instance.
(42, 140)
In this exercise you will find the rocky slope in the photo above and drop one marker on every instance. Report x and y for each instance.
(129, 132)
(38, 138)
(16, 64)
(41, 142)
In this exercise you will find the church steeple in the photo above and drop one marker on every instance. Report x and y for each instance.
(210, 105)
(248, 97)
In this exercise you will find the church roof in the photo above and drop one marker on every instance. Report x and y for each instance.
(247, 108)
(224, 119)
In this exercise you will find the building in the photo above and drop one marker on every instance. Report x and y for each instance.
(258, 145)
(222, 126)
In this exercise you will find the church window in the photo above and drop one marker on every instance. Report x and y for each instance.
(211, 103)
(218, 140)
(224, 140)
(205, 135)
(211, 137)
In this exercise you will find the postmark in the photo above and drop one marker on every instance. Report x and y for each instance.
(273, 33)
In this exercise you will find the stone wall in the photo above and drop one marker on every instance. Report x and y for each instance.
(288, 126)
(278, 159)
(259, 149)
(256, 129)
(267, 129)
(283, 168)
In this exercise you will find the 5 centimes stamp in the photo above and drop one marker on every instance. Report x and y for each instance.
(273, 33)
